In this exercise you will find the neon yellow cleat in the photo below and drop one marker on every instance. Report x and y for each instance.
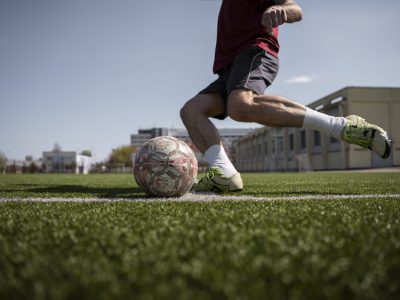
(214, 181)
(358, 131)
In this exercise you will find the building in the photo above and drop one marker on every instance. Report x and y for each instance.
(228, 136)
(296, 149)
(29, 165)
(58, 161)
(144, 135)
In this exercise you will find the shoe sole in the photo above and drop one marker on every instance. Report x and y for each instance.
(217, 185)
(387, 150)
(386, 154)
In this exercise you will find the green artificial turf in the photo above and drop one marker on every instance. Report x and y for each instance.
(256, 184)
(308, 249)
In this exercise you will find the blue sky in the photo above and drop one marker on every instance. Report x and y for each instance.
(88, 73)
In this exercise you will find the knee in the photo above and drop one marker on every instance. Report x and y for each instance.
(187, 110)
(239, 104)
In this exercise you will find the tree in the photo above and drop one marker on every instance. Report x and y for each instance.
(33, 168)
(122, 156)
(87, 153)
(3, 162)
(12, 168)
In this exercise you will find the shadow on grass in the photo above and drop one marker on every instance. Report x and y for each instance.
(70, 191)
(83, 191)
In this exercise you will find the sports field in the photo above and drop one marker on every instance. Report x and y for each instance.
(286, 236)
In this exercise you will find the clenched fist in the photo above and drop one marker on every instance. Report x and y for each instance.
(273, 17)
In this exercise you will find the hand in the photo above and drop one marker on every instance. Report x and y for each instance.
(273, 17)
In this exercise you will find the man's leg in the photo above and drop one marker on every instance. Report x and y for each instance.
(195, 115)
(269, 110)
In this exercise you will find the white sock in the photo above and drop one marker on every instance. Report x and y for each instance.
(216, 157)
(331, 126)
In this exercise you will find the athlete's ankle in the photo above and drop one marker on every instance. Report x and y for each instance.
(329, 125)
(217, 157)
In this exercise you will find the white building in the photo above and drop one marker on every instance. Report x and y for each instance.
(57, 161)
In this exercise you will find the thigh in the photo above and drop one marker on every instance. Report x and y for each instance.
(254, 69)
(213, 99)
(210, 104)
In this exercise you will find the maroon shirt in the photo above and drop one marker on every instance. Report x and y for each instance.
(239, 27)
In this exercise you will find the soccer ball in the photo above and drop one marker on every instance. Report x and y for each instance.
(165, 166)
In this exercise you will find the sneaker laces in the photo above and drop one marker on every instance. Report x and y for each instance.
(365, 136)
(361, 134)
(212, 172)
(210, 175)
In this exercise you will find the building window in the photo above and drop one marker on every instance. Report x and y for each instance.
(279, 144)
(334, 145)
(273, 146)
(291, 142)
(303, 139)
(266, 148)
(317, 138)
(334, 141)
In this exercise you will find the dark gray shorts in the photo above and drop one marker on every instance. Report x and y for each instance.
(253, 69)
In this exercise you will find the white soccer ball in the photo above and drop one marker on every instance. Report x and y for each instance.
(165, 166)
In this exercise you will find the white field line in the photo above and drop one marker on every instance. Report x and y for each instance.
(201, 197)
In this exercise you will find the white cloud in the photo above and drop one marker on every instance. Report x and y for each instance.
(301, 79)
